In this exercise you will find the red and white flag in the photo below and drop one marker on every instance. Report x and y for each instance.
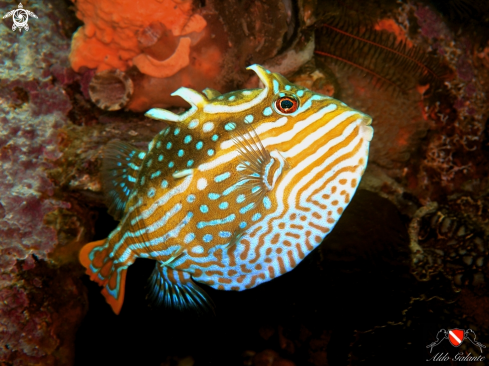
(456, 336)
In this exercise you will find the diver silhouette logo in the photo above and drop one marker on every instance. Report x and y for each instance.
(455, 337)
(20, 17)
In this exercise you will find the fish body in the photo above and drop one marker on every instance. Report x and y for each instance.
(233, 193)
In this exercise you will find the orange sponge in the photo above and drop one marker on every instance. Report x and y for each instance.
(111, 36)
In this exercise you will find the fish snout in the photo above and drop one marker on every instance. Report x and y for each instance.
(365, 127)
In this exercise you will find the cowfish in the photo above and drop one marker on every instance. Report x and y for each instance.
(236, 191)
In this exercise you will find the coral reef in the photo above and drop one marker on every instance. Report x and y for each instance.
(42, 302)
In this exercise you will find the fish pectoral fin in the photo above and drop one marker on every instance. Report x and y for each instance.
(176, 289)
(120, 168)
(259, 169)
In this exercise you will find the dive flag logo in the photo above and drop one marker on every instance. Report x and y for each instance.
(456, 336)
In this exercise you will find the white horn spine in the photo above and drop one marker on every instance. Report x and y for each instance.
(191, 96)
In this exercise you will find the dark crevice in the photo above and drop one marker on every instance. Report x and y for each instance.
(104, 224)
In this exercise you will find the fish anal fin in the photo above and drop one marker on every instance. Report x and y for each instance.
(120, 168)
(176, 289)
(100, 267)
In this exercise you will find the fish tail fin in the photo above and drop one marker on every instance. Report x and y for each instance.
(120, 168)
(100, 267)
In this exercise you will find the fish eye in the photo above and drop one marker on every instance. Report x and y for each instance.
(286, 104)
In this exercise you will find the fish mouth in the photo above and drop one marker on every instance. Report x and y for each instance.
(365, 127)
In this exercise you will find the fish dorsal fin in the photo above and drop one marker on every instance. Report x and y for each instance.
(259, 168)
(176, 289)
(211, 93)
(120, 168)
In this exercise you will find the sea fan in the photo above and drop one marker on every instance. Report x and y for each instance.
(378, 54)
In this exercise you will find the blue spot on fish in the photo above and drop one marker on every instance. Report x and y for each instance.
(256, 216)
(160, 158)
(171, 164)
(215, 138)
(155, 174)
(190, 198)
(151, 192)
(190, 163)
(180, 153)
(230, 126)
(187, 139)
(168, 146)
(164, 184)
(188, 238)
(199, 145)
(249, 118)
(204, 209)
(223, 205)
(207, 238)
(198, 249)
(193, 123)
(246, 208)
(214, 196)
(267, 111)
(222, 177)
(210, 152)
